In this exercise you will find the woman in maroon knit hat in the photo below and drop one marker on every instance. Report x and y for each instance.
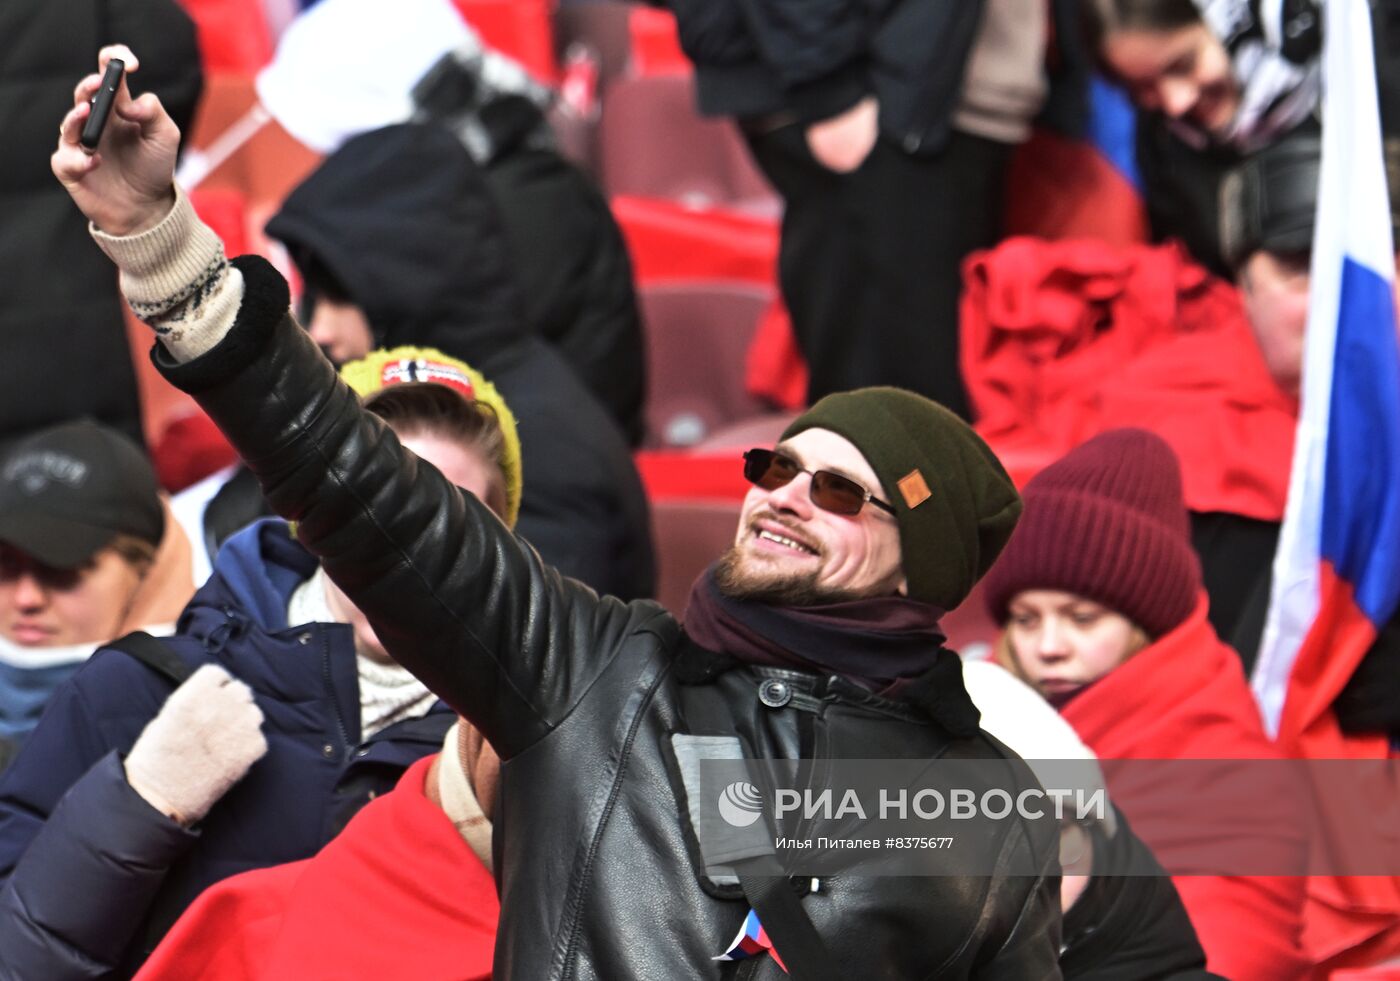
(1099, 592)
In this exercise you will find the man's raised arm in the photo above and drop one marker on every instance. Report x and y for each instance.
(452, 594)
(172, 265)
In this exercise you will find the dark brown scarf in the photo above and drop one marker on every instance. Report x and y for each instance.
(877, 643)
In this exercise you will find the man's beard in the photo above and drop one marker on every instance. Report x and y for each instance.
(774, 587)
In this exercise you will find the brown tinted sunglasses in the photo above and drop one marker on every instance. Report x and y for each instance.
(829, 491)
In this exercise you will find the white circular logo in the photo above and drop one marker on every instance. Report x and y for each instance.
(741, 804)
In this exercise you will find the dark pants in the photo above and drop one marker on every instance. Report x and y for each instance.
(870, 261)
(1237, 556)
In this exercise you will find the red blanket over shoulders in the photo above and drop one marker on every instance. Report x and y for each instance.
(1062, 340)
(1185, 698)
(398, 895)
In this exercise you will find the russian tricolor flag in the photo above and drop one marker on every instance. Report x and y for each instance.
(751, 941)
(1337, 571)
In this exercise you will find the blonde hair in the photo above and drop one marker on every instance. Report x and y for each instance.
(426, 408)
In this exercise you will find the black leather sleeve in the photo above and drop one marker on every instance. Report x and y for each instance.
(454, 596)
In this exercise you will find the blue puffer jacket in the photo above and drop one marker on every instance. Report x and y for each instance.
(105, 874)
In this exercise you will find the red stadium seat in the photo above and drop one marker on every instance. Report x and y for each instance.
(692, 474)
(688, 535)
(775, 370)
(656, 47)
(654, 144)
(233, 35)
(697, 336)
(736, 437)
(669, 241)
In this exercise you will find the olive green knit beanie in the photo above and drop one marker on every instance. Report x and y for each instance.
(953, 501)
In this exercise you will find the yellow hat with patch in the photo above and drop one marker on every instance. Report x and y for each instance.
(398, 365)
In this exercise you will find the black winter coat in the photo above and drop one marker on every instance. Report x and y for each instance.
(580, 695)
(62, 339)
(1130, 924)
(568, 252)
(575, 276)
(68, 812)
(815, 58)
(404, 220)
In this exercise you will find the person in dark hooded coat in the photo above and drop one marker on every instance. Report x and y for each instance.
(571, 258)
(398, 239)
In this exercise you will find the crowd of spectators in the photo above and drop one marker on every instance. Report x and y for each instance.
(391, 696)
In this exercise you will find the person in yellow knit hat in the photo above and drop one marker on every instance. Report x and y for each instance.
(379, 370)
(309, 917)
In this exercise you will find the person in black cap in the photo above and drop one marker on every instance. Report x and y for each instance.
(67, 491)
(1268, 209)
(80, 522)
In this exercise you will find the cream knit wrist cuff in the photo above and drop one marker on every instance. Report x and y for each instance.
(177, 279)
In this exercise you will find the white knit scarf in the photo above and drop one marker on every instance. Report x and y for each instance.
(388, 692)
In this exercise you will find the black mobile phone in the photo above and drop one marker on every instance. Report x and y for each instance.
(102, 104)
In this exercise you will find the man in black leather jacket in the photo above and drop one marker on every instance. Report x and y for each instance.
(582, 695)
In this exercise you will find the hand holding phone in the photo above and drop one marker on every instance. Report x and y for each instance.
(102, 104)
(126, 185)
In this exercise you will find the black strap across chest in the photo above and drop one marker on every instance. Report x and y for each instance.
(773, 897)
(155, 655)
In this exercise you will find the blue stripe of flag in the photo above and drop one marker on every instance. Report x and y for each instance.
(1113, 127)
(1361, 499)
